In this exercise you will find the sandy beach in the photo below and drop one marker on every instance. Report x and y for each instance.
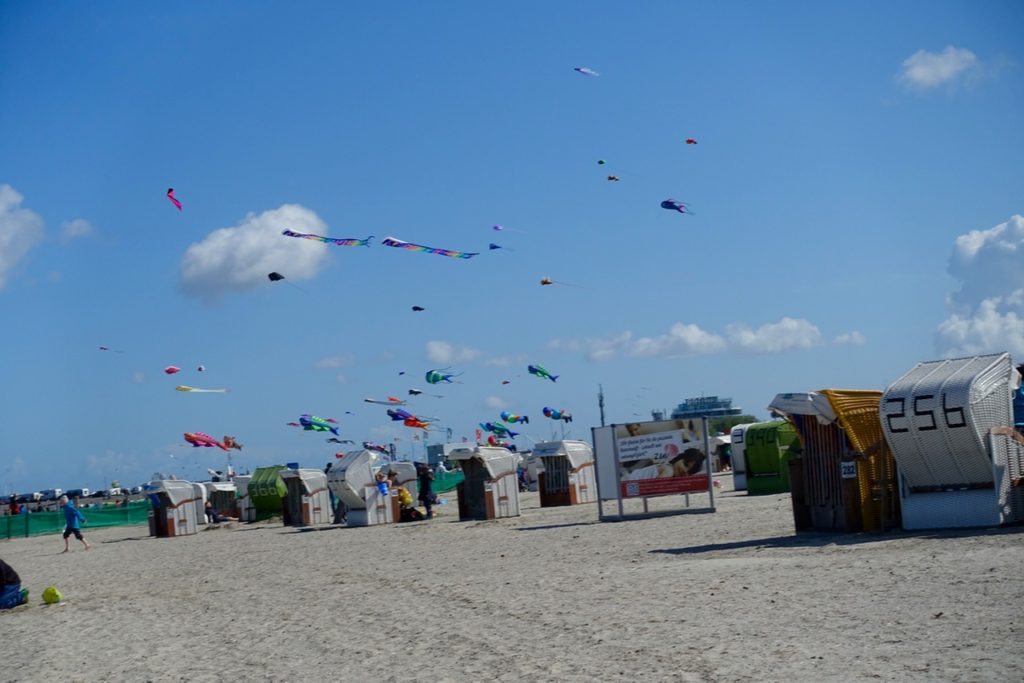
(553, 595)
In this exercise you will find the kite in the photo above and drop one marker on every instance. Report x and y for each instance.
(492, 246)
(418, 308)
(391, 401)
(501, 431)
(549, 281)
(673, 205)
(201, 368)
(557, 414)
(418, 392)
(691, 141)
(170, 370)
(512, 419)
(601, 162)
(539, 371)
(313, 423)
(491, 441)
(392, 242)
(436, 376)
(198, 439)
(614, 178)
(107, 348)
(505, 381)
(170, 195)
(416, 422)
(335, 439)
(275, 277)
(182, 387)
(370, 446)
(341, 242)
(230, 442)
(585, 71)
(399, 415)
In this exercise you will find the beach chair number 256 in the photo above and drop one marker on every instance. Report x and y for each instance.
(919, 411)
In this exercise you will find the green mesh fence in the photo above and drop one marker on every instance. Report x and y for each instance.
(447, 481)
(37, 523)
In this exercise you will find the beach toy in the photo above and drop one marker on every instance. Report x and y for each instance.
(51, 595)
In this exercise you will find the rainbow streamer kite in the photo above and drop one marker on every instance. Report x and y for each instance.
(392, 242)
(341, 242)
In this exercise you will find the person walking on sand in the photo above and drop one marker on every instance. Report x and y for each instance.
(427, 495)
(74, 521)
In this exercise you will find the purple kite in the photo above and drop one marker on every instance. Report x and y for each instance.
(170, 195)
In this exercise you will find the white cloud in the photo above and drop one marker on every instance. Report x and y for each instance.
(505, 361)
(20, 230)
(240, 257)
(924, 70)
(446, 354)
(849, 338)
(681, 340)
(495, 402)
(138, 377)
(340, 361)
(687, 339)
(341, 379)
(79, 227)
(788, 333)
(987, 311)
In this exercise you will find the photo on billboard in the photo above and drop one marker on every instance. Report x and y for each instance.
(662, 457)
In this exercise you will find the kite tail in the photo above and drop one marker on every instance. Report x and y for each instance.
(526, 420)
(512, 434)
(554, 378)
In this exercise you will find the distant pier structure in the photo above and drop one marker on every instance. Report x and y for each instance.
(703, 406)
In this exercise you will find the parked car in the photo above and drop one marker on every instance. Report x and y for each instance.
(50, 494)
(77, 493)
(102, 493)
(136, 489)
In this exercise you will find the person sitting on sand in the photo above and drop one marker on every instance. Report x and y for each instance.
(11, 592)
(215, 517)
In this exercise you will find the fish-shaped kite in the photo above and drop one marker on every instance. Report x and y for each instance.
(170, 195)
(512, 419)
(182, 387)
(416, 422)
(170, 370)
(198, 439)
(393, 242)
(437, 376)
(340, 241)
(541, 372)
(556, 414)
(585, 71)
(398, 415)
(673, 205)
(691, 141)
(318, 424)
(391, 401)
(499, 430)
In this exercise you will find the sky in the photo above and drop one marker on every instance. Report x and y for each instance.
(854, 206)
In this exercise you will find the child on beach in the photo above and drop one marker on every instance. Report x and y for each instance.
(11, 593)
(74, 520)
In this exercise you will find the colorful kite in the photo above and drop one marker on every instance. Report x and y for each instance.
(437, 376)
(499, 430)
(198, 439)
(512, 419)
(391, 401)
(341, 242)
(170, 195)
(557, 414)
(230, 442)
(691, 141)
(399, 415)
(313, 423)
(492, 441)
(539, 371)
(673, 205)
(170, 370)
(370, 446)
(585, 71)
(416, 423)
(392, 242)
(182, 387)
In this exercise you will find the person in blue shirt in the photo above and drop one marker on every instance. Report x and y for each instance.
(11, 592)
(74, 520)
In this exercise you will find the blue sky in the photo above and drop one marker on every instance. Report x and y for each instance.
(856, 189)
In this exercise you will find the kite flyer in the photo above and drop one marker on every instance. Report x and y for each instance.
(74, 520)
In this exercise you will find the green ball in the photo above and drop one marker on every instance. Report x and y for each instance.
(51, 595)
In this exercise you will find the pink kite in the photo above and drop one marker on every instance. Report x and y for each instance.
(170, 370)
(170, 195)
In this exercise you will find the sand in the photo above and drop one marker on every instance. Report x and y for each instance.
(553, 595)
